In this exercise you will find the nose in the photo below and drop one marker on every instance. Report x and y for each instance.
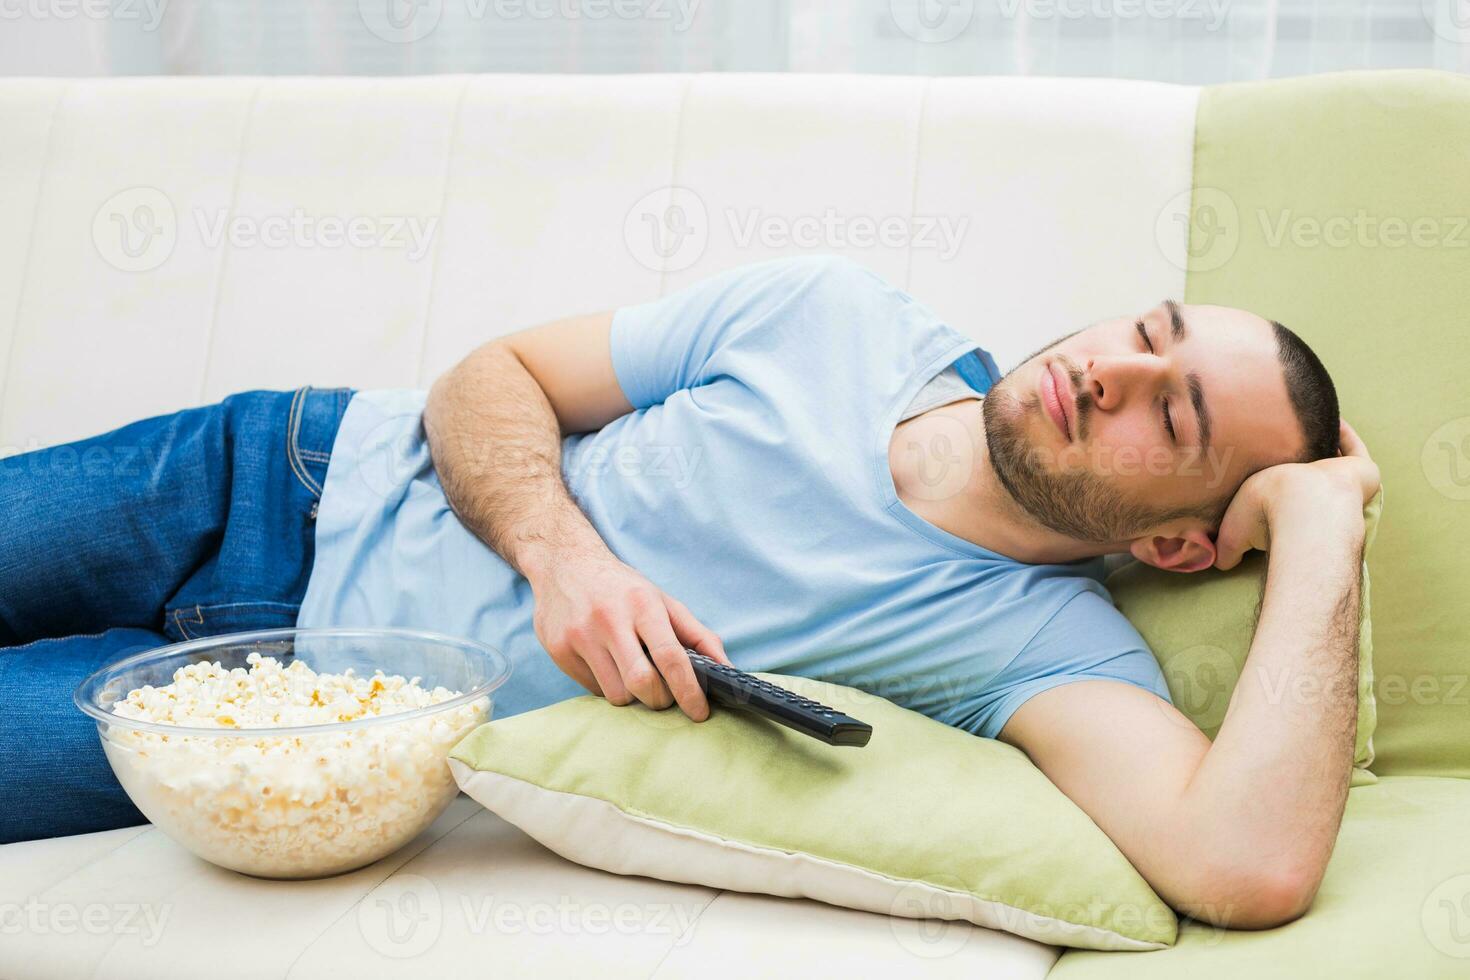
(1114, 380)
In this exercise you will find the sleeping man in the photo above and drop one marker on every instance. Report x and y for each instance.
(795, 463)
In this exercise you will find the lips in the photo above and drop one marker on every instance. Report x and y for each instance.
(1056, 391)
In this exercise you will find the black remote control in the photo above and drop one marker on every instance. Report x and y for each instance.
(737, 689)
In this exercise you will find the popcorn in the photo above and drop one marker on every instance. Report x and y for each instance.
(297, 806)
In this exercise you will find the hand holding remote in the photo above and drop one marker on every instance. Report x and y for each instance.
(732, 688)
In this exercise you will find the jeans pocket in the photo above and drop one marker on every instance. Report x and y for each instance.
(316, 415)
(195, 621)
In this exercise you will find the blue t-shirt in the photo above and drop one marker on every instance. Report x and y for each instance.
(752, 483)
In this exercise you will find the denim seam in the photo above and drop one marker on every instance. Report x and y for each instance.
(312, 456)
(198, 620)
(293, 433)
(55, 639)
(249, 604)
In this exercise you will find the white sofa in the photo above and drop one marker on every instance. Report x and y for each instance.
(148, 262)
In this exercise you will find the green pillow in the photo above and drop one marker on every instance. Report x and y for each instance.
(1200, 628)
(926, 821)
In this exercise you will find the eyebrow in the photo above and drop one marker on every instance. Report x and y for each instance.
(1201, 413)
(1177, 330)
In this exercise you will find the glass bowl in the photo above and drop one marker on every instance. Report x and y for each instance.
(302, 801)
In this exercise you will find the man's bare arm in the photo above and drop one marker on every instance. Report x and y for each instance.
(1239, 832)
(495, 424)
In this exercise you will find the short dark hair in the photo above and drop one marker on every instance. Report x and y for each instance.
(1312, 393)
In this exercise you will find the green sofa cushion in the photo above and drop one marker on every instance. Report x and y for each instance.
(926, 821)
(1395, 903)
(1340, 205)
(1200, 628)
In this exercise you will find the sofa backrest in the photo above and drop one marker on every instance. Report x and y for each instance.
(1340, 205)
(543, 195)
(164, 242)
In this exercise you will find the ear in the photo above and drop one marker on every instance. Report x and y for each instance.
(1191, 550)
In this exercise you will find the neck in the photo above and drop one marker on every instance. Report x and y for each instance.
(983, 510)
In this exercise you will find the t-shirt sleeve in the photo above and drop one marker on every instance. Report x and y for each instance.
(679, 341)
(1087, 639)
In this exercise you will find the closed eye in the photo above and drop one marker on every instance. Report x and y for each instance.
(1144, 334)
(1168, 419)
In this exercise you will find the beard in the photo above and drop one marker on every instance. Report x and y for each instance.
(1058, 490)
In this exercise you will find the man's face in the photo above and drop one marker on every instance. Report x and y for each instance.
(1134, 422)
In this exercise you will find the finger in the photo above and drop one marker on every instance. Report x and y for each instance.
(1350, 442)
(609, 679)
(640, 676)
(577, 670)
(1227, 556)
(692, 633)
(673, 664)
(1233, 541)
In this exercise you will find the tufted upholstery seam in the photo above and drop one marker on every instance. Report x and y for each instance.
(222, 266)
(908, 261)
(453, 143)
(25, 274)
(663, 274)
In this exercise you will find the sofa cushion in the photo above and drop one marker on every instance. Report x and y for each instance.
(1340, 205)
(1395, 903)
(926, 821)
(1200, 627)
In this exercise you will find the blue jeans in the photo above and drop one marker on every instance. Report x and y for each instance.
(176, 527)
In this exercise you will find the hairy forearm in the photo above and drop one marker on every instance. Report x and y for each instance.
(496, 446)
(1273, 785)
